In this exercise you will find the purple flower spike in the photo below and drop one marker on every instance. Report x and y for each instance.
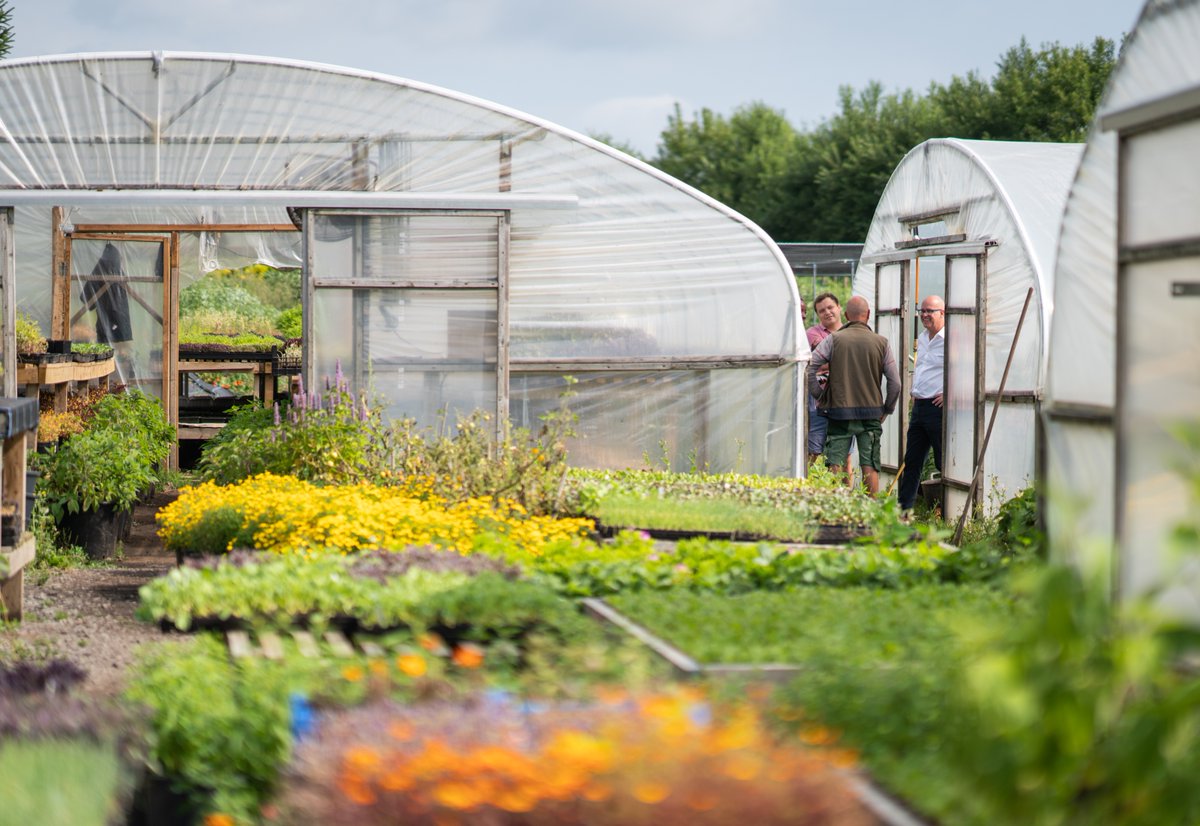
(276, 406)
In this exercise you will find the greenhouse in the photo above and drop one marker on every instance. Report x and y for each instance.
(976, 223)
(1123, 391)
(448, 254)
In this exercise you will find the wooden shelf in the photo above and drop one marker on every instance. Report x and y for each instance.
(59, 375)
(64, 371)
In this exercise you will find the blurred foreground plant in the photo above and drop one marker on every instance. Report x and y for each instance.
(627, 759)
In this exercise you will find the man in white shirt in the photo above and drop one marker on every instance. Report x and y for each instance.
(925, 424)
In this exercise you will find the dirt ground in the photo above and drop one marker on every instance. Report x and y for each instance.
(85, 615)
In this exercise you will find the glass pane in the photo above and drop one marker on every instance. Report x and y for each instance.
(1160, 185)
(406, 247)
(931, 277)
(958, 416)
(424, 351)
(960, 291)
(1160, 393)
(684, 420)
(889, 445)
(117, 299)
(888, 276)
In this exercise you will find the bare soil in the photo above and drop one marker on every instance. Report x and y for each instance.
(86, 615)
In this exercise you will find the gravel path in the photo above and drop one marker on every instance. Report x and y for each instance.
(85, 615)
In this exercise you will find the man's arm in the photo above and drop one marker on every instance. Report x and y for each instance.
(892, 374)
(820, 358)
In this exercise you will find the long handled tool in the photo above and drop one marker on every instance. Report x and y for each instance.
(962, 520)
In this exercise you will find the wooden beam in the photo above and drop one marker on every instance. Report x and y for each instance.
(60, 278)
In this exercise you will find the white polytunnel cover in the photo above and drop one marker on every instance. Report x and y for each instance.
(457, 254)
(1128, 315)
(1001, 202)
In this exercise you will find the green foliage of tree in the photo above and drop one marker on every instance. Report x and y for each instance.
(1045, 95)
(823, 184)
(6, 29)
(742, 160)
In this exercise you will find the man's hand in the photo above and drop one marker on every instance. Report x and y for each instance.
(937, 400)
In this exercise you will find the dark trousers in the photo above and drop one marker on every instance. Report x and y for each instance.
(924, 432)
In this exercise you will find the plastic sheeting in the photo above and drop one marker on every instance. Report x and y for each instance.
(1012, 194)
(642, 262)
(1120, 469)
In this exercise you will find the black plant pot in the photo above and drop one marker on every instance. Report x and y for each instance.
(96, 531)
(158, 802)
(31, 477)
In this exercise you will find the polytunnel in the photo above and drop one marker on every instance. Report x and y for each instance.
(974, 222)
(455, 254)
(1123, 407)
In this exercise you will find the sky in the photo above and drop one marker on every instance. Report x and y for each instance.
(616, 67)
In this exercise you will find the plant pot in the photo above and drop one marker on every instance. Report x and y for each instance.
(55, 345)
(31, 477)
(96, 531)
(159, 802)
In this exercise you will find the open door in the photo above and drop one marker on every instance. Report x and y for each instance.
(962, 408)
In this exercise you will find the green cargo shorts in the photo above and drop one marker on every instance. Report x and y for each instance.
(842, 431)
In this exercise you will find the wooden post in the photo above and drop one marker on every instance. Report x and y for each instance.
(60, 279)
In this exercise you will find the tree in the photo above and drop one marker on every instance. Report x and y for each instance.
(6, 31)
(741, 161)
(823, 185)
(1045, 95)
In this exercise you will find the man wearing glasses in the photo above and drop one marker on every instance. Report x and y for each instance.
(925, 425)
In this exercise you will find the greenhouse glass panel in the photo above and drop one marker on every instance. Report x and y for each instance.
(958, 410)
(713, 420)
(1159, 394)
(1161, 185)
(425, 352)
(117, 299)
(889, 445)
(889, 287)
(961, 289)
(406, 248)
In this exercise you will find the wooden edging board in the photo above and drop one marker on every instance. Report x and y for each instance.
(889, 809)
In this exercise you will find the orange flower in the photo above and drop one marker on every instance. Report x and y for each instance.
(468, 655)
(402, 730)
(412, 664)
(353, 673)
(433, 643)
(218, 819)
(651, 791)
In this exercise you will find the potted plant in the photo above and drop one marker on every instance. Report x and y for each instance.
(31, 344)
(90, 483)
(92, 480)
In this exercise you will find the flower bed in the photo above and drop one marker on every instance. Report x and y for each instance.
(675, 505)
(476, 599)
(654, 758)
(286, 515)
(633, 562)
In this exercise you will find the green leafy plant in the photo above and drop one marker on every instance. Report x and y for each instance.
(30, 340)
(336, 436)
(90, 469)
(290, 322)
(113, 462)
(91, 348)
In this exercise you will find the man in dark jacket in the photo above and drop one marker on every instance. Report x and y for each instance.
(859, 360)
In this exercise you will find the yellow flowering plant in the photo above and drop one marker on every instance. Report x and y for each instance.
(284, 514)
